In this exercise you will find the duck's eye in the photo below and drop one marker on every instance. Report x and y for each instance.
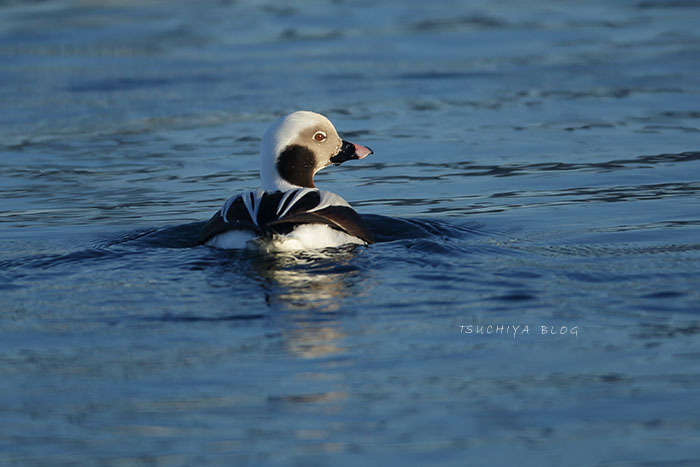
(320, 136)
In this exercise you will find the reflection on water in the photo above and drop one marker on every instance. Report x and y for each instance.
(318, 280)
(309, 340)
(311, 287)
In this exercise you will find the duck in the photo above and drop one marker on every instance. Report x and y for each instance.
(288, 212)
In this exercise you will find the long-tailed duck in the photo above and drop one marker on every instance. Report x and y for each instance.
(289, 212)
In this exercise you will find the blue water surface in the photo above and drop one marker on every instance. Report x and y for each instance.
(533, 297)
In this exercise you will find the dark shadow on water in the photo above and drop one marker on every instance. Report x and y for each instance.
(192, 318)
(388, 229)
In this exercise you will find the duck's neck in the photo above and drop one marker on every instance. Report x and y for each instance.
(279, 184)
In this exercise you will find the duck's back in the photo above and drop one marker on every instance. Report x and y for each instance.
(310, 217)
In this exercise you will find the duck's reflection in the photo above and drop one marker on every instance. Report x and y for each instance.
(310, 297)
(312, 289)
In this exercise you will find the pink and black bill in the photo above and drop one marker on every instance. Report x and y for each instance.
(349, 151)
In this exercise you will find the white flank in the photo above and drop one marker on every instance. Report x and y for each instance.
(232, 240)
(308, 237)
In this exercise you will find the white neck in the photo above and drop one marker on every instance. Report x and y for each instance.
(277, 184)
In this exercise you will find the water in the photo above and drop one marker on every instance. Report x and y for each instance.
(533, 166)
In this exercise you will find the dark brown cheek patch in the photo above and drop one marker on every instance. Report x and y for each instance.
(296, 165)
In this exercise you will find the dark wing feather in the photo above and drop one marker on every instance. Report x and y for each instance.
(349, 221)
(238, 219)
